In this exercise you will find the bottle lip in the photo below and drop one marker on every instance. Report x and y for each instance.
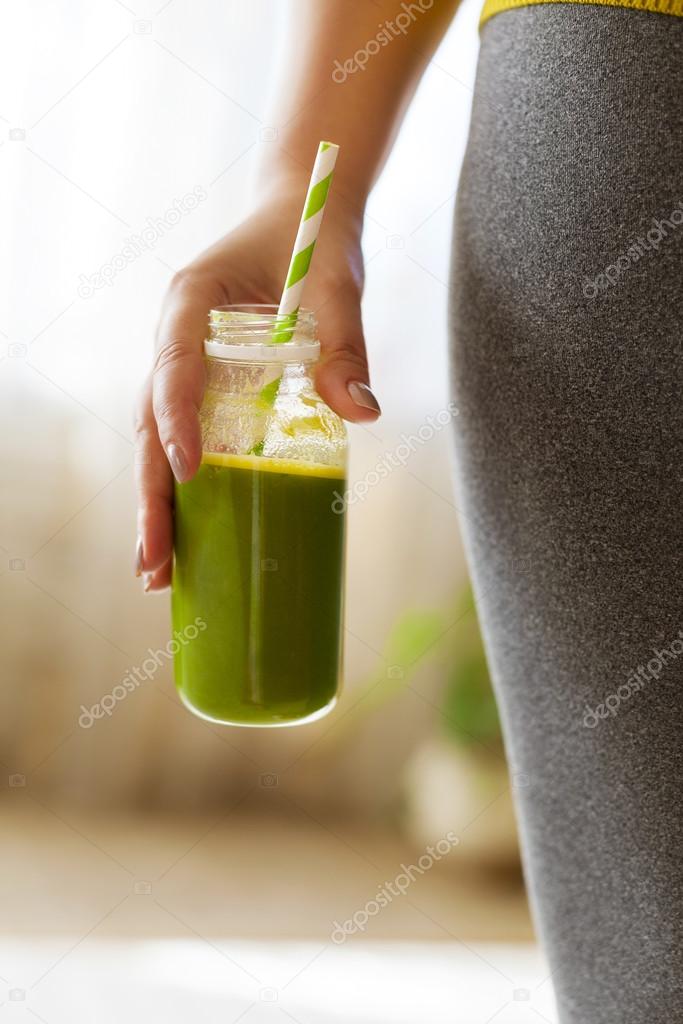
(243, 333)
(287, 352)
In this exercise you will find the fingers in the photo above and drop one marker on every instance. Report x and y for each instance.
(167, 426)
(160, 578)
(343, 380)
(178, 374)
(154, 486)
(168, 437)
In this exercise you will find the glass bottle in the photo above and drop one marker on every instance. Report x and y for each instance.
(257, 593)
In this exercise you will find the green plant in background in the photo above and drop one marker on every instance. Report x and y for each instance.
(468, 707)
(446, 779)
(415, 637)
(470, 713)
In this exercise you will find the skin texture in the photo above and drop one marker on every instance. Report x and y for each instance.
(249, 264)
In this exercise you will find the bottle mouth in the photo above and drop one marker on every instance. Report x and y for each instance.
(257, 333)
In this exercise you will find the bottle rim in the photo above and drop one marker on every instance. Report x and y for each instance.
(243, 332)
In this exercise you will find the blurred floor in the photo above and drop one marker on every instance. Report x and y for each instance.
(231, 919)
(274, 983)
(254, 877)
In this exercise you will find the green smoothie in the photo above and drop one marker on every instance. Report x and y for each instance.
(259, 556)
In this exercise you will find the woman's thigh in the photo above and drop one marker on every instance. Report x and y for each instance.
(567, 323)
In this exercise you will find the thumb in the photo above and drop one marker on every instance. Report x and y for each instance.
(342, 378)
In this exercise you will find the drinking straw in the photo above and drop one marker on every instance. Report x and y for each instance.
(304, 244)
(309, 227)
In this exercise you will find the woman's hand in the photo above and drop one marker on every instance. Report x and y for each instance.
(247, 266)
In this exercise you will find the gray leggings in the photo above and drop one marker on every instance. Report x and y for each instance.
(566, 320)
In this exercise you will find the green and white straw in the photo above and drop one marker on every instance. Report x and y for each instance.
(309, 227)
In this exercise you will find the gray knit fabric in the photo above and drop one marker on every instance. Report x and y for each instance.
(566, 319)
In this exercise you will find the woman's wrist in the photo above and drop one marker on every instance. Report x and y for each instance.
(284, 182)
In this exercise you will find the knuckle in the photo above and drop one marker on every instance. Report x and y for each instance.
(142, 410)
(171, 354)
(174, 415)
(348, 356)
(165, 414)
(144, 427)
(177, 385)
(185, 280)
(143, 430)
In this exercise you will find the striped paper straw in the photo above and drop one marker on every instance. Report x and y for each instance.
(306, 236)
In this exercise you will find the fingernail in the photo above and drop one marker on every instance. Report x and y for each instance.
(147, 582)
(362, 395)
(139, 557)
(177, 462)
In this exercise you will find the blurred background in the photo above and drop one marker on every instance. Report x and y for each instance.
(155, 863)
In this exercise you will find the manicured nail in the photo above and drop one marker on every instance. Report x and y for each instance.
(177, 462)
(139, 557)
(362, 395)
(147, 581)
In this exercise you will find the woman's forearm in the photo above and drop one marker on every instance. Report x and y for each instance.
(349, 71)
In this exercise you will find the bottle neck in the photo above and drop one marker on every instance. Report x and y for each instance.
(260, 334)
